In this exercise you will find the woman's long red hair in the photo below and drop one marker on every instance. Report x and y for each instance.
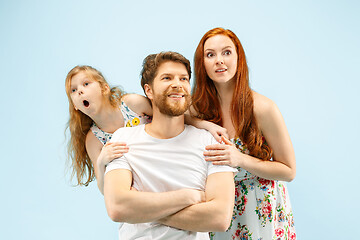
(206, 100)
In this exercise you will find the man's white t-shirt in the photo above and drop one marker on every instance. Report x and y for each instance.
(162, 165)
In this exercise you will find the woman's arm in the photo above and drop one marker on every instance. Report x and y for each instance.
(272, 125)
(216, 130)
(100, 155)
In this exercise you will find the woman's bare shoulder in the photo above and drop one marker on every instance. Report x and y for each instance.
(264, 107)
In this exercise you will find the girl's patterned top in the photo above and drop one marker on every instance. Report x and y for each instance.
(262, 208)
(131, 119)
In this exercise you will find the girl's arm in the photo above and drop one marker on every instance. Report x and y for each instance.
(138, 103)
(100, 155)
(272, 125)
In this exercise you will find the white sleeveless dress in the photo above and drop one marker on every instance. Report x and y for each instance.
(262, 208)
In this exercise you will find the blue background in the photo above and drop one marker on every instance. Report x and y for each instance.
(304, 55)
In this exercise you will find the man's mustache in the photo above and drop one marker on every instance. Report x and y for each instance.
(185, 93)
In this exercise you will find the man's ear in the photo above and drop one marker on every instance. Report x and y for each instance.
(148, 91)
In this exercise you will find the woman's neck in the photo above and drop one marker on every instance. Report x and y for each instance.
(225, 92)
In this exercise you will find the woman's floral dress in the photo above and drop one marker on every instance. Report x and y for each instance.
(262, 209)
(131, 119)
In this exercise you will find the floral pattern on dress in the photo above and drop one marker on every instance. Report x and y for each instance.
(242, 233)
(240, 199)
(131, 119)
(103, 137)
(262, 208)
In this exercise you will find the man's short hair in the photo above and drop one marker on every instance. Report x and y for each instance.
(152, 63)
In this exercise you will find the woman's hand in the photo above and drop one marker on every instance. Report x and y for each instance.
(111, 151)
(217, 131)
(223, 154)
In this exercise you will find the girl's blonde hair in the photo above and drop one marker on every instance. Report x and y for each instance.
(79, 124)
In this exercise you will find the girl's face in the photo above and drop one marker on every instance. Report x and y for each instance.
(220, 58)
(85, 93)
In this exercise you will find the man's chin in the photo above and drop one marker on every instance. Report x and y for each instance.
(172, 108)
(173, 111)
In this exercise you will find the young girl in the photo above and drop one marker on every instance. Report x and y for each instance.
(261, 148)
(97, 111)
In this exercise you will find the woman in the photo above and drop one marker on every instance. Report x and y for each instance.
(261, 148)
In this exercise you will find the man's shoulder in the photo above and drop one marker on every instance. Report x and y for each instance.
(201, 133)
(191, 128)
(125, 132)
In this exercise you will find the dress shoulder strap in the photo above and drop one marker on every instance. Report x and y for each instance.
(103, 137)
(131, 118)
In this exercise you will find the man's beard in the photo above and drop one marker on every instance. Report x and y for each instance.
(174, 109)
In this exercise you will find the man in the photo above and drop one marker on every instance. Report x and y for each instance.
(180, 196)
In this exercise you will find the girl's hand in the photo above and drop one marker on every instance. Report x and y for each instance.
(111, 151)
(223, 154)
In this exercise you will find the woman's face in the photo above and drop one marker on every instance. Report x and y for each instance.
(220, 58)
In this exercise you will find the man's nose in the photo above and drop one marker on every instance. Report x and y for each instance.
(176, 83)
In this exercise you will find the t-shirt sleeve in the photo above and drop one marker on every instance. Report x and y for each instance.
(119, 163)
(219, 168)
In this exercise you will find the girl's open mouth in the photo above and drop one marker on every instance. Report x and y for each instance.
(86, 103)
